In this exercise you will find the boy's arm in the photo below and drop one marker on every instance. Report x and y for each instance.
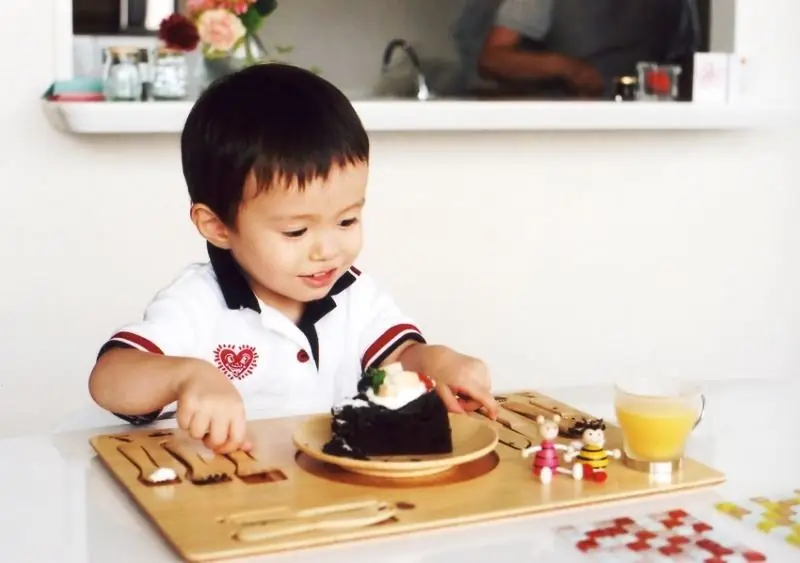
(140, 368)
(387, 336)
(137, 385)
(501, 58)
(383, 329)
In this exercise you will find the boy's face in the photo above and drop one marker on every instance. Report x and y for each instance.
(295, 244)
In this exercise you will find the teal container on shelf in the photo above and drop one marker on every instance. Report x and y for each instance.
(76, 89)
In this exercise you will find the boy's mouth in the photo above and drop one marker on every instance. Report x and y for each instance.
(319, 279)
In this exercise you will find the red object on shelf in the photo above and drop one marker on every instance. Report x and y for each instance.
(659, 82)
(77, 97)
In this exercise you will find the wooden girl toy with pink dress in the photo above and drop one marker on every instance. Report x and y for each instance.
(546, 458)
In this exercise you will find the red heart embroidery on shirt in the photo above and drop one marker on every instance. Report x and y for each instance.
(236, 364)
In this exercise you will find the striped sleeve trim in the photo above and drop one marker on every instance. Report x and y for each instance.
(388, 342)
(139, 420)
(136, 341)
(126, 339)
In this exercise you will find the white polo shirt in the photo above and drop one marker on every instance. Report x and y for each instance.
(279, 367)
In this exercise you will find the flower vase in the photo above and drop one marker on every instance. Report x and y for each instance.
(251, 51)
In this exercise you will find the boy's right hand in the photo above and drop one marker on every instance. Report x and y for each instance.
(211, 409)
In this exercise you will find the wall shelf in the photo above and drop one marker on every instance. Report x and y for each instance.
(445, 115)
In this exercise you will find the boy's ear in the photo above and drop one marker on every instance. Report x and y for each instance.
(210, 226)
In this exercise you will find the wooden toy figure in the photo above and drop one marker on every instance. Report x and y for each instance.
(590, 451)
(545, 461)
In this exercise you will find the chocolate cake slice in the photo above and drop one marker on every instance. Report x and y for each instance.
(395, 412)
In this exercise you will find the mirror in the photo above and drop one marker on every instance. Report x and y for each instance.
(473, 49)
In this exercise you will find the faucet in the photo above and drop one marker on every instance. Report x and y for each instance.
(423, 93)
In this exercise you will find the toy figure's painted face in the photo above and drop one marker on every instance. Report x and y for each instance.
(549, 430)
(594, 437)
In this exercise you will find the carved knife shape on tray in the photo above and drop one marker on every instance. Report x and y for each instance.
(339, 520)
(203, 468)
(250, 470)
(531, 411)
(506, 435)
(150, 472)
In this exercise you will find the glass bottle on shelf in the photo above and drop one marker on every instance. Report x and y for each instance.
(170, 74)
(122, 80)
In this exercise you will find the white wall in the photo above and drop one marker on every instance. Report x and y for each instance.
(559, 258)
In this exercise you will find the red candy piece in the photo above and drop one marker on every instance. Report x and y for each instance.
(678, 540)
(638, 546)
(616, 531)
(701, 527)
(713, 547)
(670, 550)
(677, 514)
(753, 556)
(645, 535)
(586, 545)
(625, 521)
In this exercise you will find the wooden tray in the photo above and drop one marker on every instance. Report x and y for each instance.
(206, 522)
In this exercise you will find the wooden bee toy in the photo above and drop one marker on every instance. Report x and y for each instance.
(590, 451)
(545, 461)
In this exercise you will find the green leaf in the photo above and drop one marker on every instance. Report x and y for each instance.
(284, 49)
(376, 377)
(252, 20)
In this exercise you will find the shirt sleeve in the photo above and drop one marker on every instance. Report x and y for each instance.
(531, 18)
(382, 326)
(166, 328)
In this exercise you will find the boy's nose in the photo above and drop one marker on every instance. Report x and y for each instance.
(322, 250)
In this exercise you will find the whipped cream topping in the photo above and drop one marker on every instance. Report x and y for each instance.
(399, 387)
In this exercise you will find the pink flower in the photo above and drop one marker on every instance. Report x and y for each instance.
(220, 29)
(238, 7)
(194, 7)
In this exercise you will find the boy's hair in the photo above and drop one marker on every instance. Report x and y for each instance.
(280, 122)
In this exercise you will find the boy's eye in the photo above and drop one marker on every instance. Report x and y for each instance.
(295, 233)
(349, 222)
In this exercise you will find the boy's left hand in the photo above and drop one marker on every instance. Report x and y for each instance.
(464, 384)
(467, 386)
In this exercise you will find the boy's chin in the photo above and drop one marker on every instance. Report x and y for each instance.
(307, 294)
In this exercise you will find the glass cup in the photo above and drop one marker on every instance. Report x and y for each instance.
(657, 416)
(657, 83)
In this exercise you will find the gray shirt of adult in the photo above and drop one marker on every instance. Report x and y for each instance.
(612, 35)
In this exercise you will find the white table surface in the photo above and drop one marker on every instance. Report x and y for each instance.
(58, 504)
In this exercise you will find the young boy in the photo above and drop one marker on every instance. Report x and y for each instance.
(279, 321)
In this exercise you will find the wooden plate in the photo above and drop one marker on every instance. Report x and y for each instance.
(472, 439)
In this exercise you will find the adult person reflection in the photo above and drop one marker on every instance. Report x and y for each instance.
(556, 48)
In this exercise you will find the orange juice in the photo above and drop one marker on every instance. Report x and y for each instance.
(655, 430)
